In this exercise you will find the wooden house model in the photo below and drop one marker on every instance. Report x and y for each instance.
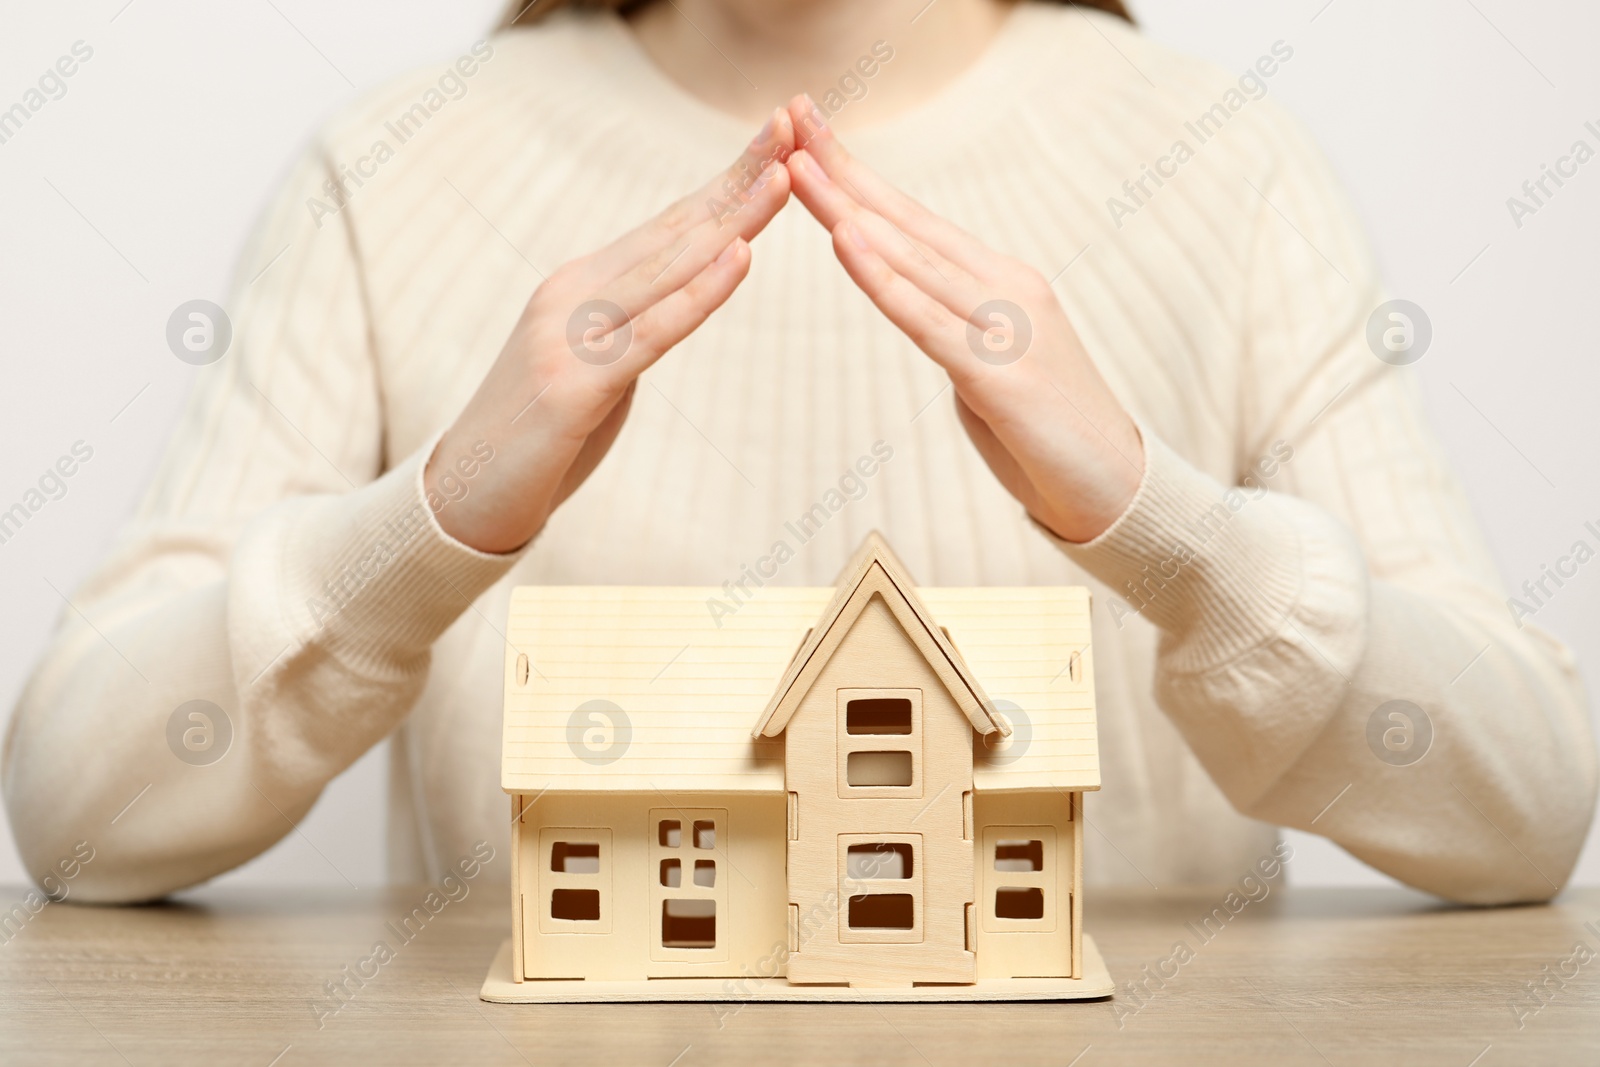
(869, 791)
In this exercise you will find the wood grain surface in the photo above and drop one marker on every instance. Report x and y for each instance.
(1312, 976)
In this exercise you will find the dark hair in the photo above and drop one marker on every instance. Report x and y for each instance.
(520, 12)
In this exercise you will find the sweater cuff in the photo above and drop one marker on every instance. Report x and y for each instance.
(1220, 569)
(370, 576)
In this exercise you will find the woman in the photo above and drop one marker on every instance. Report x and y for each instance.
(1174, 402)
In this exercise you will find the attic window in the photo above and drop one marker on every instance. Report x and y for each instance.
(670, 833)
(879, 769)
(1019, 855)
(705, 834)
(881, 859)
(575, 857)
(878, 715)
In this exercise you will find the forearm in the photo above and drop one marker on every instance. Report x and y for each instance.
(313, 646)
(1458, 758)
(88, 757)
(1278, 648)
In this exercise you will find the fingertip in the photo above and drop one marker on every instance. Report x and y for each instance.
(810, 122)
(775, 139)
(773, 186)
(764, 134)
(783, 132)
(806, 165)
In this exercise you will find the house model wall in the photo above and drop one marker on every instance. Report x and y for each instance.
(864, 787)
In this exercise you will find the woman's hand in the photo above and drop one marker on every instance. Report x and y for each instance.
(557, 395)
(1025, 389)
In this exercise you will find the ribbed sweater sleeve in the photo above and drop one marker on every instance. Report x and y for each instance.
(1338, 572)
(275, 570)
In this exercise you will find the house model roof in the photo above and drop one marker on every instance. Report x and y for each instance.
(647, 689)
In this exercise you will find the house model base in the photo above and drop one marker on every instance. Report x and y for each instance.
(868, 792)
(501, 988)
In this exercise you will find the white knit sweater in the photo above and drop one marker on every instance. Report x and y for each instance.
(1227, 305)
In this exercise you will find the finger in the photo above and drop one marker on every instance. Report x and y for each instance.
(775, 141)
(932, 327)
(874, 192)
(948, 282)
(669, 269)
(678, 315)
(828, 203)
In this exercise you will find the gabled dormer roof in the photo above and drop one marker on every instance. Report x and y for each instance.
(874, 571)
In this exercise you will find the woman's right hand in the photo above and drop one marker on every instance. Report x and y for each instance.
(557, 395)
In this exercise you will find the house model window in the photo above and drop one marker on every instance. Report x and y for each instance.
(576, 862)
(880, 742)
(690, 896)
(1020, 877)
(883, 887)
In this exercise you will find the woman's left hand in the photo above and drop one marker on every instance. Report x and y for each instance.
(1028, 394)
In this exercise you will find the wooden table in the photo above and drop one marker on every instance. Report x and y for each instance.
(1324, 977)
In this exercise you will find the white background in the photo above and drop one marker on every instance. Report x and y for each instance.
(135, 191)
